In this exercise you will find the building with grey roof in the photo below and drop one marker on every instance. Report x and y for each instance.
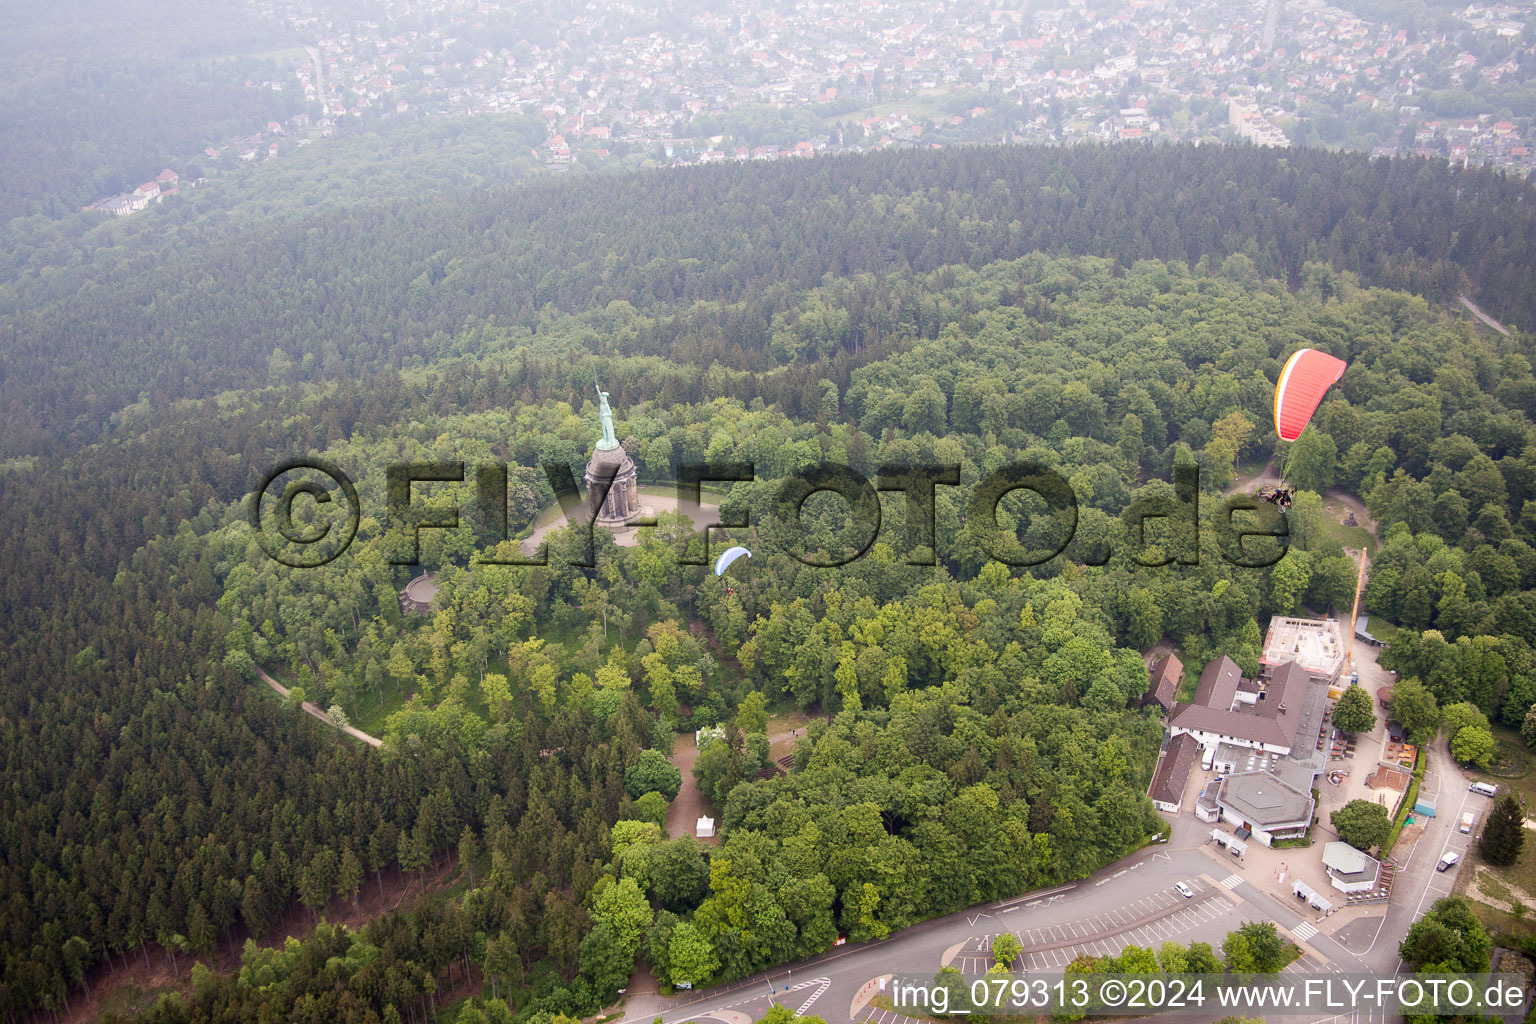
(1348, 869)
(1265, 804)
(1263, 738)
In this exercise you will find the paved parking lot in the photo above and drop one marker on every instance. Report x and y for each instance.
(1148, 921)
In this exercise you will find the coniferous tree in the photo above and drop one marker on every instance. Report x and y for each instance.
(1503, 836)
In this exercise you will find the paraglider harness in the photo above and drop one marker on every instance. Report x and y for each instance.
(1281, 496)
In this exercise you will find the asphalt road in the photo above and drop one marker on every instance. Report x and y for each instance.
(1130, 902)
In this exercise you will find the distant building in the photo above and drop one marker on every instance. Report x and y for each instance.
(1254, 126)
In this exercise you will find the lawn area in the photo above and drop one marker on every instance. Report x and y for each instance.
(1512, 756)
(1491, 885)
(128, 1000)
(784, 721)
(921, 107)
(1511, 764)
(1349, 536)
(374, 709)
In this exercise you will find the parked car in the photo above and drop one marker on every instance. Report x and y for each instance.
(1185, 890)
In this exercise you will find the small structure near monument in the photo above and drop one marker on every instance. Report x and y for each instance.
(416, 598)
(705, 828)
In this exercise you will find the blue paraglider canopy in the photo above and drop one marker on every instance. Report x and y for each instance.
(731, 554)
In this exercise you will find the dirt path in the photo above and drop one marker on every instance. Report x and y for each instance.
(1484, 317)
(1354, 611)
(372, 741)
(685, 810)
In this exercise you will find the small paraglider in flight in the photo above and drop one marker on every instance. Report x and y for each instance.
(724, 562)
(1306, 378)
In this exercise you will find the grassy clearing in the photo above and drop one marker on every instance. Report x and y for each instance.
(784, 721)
(1349, 536)
(1497, 921)
(1511, 760)
(1490, 886)
(1521, 875)
(375, 708)
(920, 107)
(128, 1000)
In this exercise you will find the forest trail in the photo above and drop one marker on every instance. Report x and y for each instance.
(684, 811)
(1484, 317)
(372, 741)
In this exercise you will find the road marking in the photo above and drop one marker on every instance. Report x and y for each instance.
(1304, 931)
(1232, 881)
(825, 984)
(1037, 897)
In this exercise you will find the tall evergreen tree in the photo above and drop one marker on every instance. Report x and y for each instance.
(1504, 834)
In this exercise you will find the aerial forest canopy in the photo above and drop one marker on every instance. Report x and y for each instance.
(983, 731)
(154, 316)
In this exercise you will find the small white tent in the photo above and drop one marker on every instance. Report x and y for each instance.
(705, 828)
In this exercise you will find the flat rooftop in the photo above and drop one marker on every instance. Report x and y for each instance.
(1349, 863)
(1263, 800)
(1314, 644)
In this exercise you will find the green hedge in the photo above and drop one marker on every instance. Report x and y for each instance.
(1409, 799)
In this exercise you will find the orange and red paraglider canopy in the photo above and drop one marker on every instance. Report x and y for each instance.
(1306, 378)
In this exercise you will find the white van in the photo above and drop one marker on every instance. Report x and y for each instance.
(1484, 788)
(1447, 861)
(1208, 759)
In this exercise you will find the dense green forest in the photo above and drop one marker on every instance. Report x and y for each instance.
(149, 318)
(96, 103)
(978, 729)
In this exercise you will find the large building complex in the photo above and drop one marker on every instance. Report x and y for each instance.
(1262, 736)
